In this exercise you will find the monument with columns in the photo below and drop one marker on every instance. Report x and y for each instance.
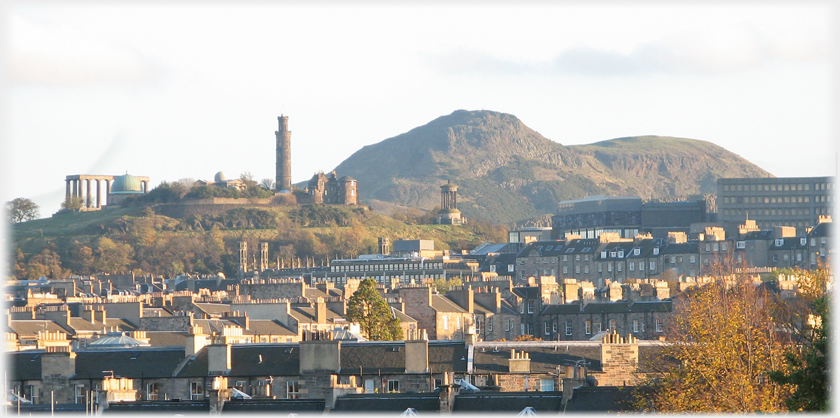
(90, 187)
(449, 213)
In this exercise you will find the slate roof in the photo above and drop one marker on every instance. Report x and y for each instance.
(441, 303)
(210, 326)
(395, 402)
(544, 359)
(790, 243)
(166, 338)
(607, 307)
(373, 358)
(445, 356)
(758, 235)
(543, 248)
(212, 309)
(313, 293)
(31, 327)
(306, 314)
(275, 405)
(24, 365)
(600, 399)
(509, 401)
(691, 247)
(564, 309)
(277, 360)
(652, 306)
(527, 292)
(132, 363)
(821, 230)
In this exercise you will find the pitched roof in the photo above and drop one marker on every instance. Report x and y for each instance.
(509, 401)
(31, 327)
(601, 399)
(373, 358)
(396, 402)
(24, 365)
(446, 356)
(132, 363)
(441, 303)
(544, 358)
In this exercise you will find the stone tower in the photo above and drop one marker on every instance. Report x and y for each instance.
(284, 155)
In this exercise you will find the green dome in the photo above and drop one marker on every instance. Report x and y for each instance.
(126, 184)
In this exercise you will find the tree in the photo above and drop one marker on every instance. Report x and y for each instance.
(807, 365)
(267, 184)
(21, 210)
(73, 203)
(370, 310)
(724, 344)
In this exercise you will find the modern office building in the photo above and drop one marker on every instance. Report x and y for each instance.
(771, 202)
(626, 216)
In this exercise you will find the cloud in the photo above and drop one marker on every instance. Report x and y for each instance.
(718, 50)
(60, 53)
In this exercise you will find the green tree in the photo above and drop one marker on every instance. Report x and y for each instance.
(370, 310)
(443, 286)
(21, 210)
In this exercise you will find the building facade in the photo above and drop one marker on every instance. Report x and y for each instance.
(771, 202)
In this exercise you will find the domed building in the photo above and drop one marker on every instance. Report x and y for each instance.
(221, 180)
(124, 187)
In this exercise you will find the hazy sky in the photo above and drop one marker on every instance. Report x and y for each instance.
(186, 90)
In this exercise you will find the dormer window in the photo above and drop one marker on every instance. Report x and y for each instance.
(636, 251)
(603, 254)
(780, 242)
(621, 254)
(656, 251)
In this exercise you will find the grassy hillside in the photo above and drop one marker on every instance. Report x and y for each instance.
(140, 240)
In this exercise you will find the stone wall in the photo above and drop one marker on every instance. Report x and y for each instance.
(166, 323)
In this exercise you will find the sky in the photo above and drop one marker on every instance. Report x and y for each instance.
(186, 89)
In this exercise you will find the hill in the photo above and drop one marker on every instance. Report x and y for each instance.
(508, 172)
(143, 240)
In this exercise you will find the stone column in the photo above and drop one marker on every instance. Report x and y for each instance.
(75, 186)
(87, 193)
(66, 190)
(98, 194)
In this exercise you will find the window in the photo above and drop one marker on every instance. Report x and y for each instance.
(507, 325)
(586, 269)
(490, 324)
(598, 327)
(577, 257)
(293, 393)
(196, 390)
(577, 269)
(522, 308)
(445, 322)
(635, 325)
(618, 266)
(393, 386)
(632, 266)
(530, 307)
(723, 246)
(658, 325)
(656, 251)
(612, 324)
(565, 269)
(588, 327)
(152, 392)
(692, 259)
(546, 385)
(370, 386)
(554, 327)
(568, 328)
(652, 266)
(547, 327)
(81, 393)
(600, 268)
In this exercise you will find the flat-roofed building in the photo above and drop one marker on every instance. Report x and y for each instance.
(771, 201)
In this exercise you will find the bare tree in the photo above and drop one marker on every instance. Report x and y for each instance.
(21, 210)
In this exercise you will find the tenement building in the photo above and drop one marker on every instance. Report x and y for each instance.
(771, 202)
